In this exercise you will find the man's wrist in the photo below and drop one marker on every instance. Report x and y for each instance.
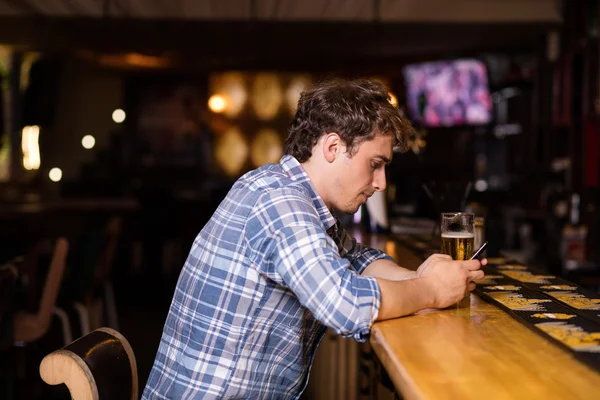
(429, 292)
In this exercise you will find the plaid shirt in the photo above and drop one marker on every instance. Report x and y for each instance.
(264, 278)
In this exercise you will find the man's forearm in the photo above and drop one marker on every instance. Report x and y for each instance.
(389, 270)
(400, 298)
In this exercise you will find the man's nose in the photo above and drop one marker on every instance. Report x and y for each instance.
(379, 181)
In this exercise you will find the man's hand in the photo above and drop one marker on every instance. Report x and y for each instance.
(439, 283)
(449, 279)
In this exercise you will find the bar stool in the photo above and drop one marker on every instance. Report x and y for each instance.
(100, 365)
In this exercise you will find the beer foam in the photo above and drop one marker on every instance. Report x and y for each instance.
(458, 235)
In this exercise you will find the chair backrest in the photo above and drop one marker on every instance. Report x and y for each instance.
(107, 255)
(100, 365)
(34, 321)
(92, 259)
(53, 279)
(30, 268)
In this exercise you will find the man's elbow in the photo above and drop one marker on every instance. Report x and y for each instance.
(360, 335)
(357, 328)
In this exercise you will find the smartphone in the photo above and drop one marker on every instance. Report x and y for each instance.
(479, 251)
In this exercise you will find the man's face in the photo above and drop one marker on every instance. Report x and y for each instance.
(356, 178)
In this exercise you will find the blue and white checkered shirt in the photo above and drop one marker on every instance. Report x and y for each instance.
(264, 278)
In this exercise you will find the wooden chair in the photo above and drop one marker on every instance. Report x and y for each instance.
(29, 327)
(104, 269)
(98, 366)
(88, 291)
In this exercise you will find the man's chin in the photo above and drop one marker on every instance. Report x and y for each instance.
(353, 210)
(350, 209)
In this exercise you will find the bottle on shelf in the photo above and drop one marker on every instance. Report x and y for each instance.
(573, 242)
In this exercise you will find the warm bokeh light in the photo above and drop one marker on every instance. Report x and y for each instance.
(126, 60)
(143, 60)
(217, 103)
(231, 85)
(118, 115)
(29, 58)
(5, 57)
(30, 147)
(393, 99)
(297, 85)
(4, 161)
(231, 151)
(88, 142)
(5, 62)
(267, 96)
(390, 247)
(55, 174)
(266, 147)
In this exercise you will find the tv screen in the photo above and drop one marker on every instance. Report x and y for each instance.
(448, 93)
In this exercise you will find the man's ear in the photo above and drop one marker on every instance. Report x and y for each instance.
(332, 146)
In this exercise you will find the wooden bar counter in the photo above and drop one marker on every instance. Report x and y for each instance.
(476, 353)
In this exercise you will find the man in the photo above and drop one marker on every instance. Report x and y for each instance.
(272, 269)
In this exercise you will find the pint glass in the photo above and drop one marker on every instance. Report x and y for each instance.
(458, 240)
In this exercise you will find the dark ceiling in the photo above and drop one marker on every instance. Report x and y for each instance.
(250, 44)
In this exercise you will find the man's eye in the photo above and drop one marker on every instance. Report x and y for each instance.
(376, 166)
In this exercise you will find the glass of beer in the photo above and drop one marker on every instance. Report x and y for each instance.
(458, 238)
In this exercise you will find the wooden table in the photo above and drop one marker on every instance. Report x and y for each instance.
(477, 353)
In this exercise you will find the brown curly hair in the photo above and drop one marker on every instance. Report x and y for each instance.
(357, 110)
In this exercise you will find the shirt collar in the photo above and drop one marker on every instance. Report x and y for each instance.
(297, 173)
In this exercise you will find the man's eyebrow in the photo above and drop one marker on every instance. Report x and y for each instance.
(383, 158)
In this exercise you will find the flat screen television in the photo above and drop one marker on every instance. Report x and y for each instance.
(448, 93)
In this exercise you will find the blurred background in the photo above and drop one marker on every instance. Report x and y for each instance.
(123, 123)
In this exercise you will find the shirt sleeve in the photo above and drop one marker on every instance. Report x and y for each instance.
(359, 255)
(291, 247)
